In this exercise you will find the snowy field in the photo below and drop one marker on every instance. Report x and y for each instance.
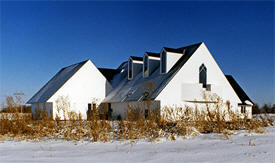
(240, 147)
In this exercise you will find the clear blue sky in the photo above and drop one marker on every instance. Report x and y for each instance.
(39, 38)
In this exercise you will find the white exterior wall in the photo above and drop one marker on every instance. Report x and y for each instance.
(185, 85)
(87, 85)
(171, 59)
(248, 111)
(121, 108)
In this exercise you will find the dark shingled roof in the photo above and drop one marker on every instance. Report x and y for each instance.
(55, 83)
(179, 50)
(153, 54)
(109, 73)
(133, 90)
(237, 88)
(137, 58)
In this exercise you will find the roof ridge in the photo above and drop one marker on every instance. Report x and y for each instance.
(76, 63)
(39, 99)
(190, 45)
(238, 89)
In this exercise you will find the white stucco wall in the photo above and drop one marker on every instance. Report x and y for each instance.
(87, 85)
(121, 108)
(171, 59)
(248, 111)
(185, 85)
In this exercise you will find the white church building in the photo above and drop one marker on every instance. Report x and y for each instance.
(172, 78)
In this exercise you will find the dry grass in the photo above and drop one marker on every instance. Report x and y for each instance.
(187, 121)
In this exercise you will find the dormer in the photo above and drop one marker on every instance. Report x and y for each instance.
(151, 62)
(168, 58)
(134, 66)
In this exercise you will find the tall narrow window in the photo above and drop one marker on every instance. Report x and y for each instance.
(130, 69)
(163, 62)
(109, 112)
(203, 75)
(94, 106)
(89, 106)
(89, 111)
(145, 66)
(242, 109)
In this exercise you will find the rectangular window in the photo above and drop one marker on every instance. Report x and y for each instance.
(242, 109)
(94, 106)
(89, 106)
(109, 106)
(146, 113)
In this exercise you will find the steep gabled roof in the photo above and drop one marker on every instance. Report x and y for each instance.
(135, 89)
(55, 83)
(109, 73)
(237, 88)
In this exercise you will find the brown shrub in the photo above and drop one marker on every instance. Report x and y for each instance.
(136, 125)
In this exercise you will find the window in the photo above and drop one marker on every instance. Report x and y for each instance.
(109, 112)
(163, 62)
(94, 105)
(89, 111)
(203, 75)
(130, 69)
(109, 106)
(146, 113)
(89, 106)
(242, 109)
(145, 66)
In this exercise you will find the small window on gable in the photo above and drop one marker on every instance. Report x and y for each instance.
(130, 69)
(145, 66)
(163, 62)
(203, 75)
(243, 109)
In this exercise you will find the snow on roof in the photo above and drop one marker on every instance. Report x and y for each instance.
(140, 88)
(55, 83)
(237, 88)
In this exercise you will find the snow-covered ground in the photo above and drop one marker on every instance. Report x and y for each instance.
(240, 147)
